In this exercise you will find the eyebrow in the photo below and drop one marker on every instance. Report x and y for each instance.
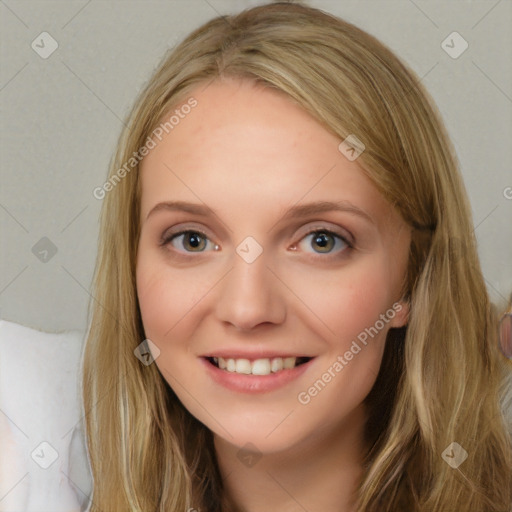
(303, 210)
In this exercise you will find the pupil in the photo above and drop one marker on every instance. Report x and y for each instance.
(323, 240)
(194, 240)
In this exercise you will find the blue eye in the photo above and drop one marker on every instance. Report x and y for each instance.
(327, 241)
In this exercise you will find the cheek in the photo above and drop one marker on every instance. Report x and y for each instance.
(351, 304)
(343, 303)
(158, 295)
(159, 304)
(168, 297)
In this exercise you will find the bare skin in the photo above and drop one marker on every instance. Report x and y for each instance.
(249, 154)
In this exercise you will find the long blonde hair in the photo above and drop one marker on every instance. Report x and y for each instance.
(443, 377)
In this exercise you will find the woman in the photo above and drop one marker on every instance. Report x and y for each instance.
(281, 321)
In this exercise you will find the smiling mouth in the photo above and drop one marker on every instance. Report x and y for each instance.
(264, 366)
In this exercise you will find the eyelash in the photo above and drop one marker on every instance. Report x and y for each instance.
(166, 240)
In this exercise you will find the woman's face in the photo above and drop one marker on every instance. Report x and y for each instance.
(269, 271)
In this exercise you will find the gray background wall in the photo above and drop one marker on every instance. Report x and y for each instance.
(61, 117)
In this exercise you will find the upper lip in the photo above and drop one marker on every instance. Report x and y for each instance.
(252, 355)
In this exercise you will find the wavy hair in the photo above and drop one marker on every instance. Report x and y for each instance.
(443, 378)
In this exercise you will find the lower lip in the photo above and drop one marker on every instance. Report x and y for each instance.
(254, 383)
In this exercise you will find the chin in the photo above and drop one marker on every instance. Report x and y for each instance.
(265, 436)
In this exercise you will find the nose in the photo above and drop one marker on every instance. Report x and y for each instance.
(250, 295)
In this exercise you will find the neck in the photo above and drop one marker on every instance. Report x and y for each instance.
(320, 473)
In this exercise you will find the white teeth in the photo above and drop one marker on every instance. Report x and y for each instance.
(277, 364)
(256, 367)
(243, 366)
(289, 362)
(261, 367)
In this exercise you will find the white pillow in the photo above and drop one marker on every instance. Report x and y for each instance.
(43, 456)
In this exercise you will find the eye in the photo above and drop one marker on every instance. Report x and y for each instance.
(326, 241)
(190, 240)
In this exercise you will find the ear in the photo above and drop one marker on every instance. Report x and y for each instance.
(401, 310)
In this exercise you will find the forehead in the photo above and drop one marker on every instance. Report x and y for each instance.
(251, 146)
